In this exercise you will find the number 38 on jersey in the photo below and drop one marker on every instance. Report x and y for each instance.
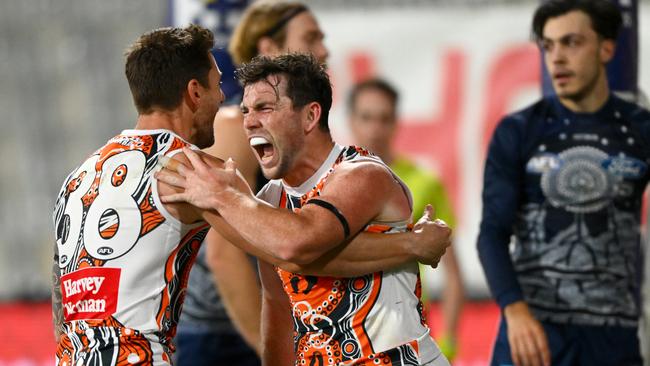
(97, 212)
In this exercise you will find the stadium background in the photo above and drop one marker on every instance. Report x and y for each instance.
(459, 66)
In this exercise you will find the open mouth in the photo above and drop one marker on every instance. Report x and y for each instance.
(263, 148)
(562, 77)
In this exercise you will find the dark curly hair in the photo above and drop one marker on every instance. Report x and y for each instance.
(307, 79)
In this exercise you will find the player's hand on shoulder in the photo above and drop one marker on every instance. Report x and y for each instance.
(201, 180)
(431, 238)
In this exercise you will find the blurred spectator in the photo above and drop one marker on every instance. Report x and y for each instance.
(372, 110)
(566, 176)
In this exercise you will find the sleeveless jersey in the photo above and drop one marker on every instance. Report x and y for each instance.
(371, 319)
(124, 259)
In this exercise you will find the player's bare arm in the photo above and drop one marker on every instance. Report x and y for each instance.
(202, 193)
(372, 252)
(223, 190)
(277, 322)
(237, 281)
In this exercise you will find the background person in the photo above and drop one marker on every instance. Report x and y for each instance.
(372, 118)
(566, 176)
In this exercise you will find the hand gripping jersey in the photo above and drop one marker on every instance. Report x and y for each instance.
(124, 259)
(367, 320)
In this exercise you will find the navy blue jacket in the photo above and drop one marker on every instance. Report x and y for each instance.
(567, 187)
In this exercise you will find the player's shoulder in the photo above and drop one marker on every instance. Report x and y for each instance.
(531, 114)
(362, 171)
(228, 116)
(633, 111)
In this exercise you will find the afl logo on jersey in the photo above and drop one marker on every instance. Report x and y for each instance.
(542, 163)
(105, 250)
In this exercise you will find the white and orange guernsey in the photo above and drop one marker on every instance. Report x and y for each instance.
(124, 259)
(374, 319)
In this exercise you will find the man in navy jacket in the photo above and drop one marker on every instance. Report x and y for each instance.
(565, 178)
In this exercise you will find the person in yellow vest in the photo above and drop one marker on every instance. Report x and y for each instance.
(372, 111)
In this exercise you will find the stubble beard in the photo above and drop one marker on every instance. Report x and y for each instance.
(583, 92)
(205, 137)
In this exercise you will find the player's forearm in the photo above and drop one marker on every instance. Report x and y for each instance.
(277, 344)
(238, 286)
(366, 253)
(453, 294)
(282, 234)
(260, 250)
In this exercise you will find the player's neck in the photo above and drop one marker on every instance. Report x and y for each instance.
(167, 120)
(312, 158)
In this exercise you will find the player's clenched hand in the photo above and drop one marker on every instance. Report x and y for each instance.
(204, 186)
(430, 238)
(526, 336)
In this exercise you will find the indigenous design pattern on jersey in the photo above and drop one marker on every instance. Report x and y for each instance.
(577, 232)
(124, 259)
(354, 321)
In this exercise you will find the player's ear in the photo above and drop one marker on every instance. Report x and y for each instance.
(607, 50)
(192, 94)
(313, 114)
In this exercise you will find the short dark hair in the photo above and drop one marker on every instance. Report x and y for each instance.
(605, 16)
(161, 63)
(307, 79)
(374, 83)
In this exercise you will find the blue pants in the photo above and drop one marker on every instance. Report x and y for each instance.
(202, 348)
(579, 345)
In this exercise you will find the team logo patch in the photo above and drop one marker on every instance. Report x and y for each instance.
(626, 167)
(90, 293)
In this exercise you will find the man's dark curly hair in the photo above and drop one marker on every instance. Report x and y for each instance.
(307, 80)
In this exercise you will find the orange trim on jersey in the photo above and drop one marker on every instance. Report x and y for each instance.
(85, 260)
(361, 314)
(283, 199)
(151, 217)
(177, 144)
